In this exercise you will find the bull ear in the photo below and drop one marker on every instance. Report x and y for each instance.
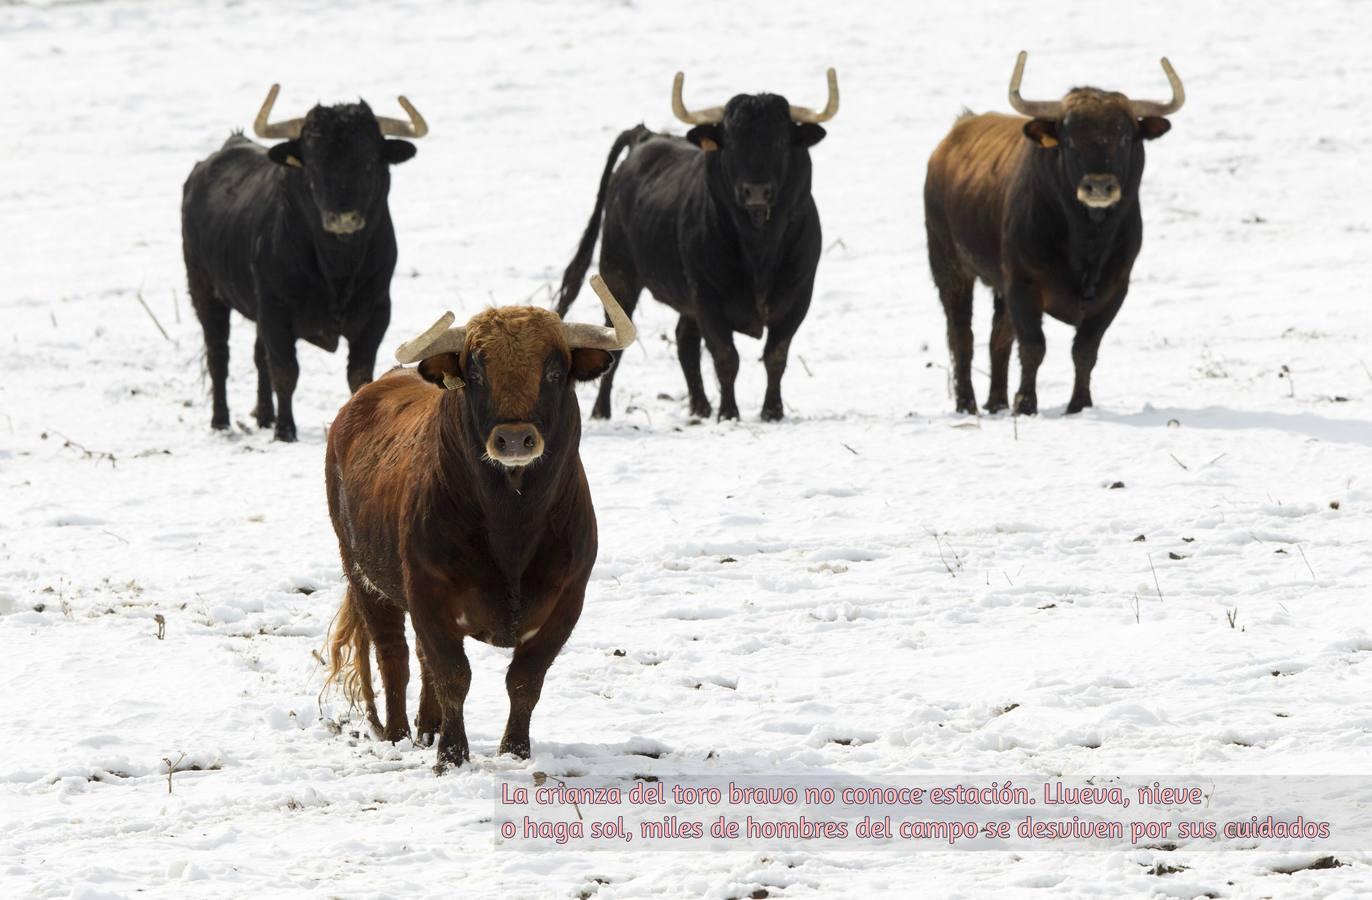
(443, 370)
(1153, 127)
(807, 135)
(588, 363)
(396, 152)
(1043, 132)
(286, 153)
(706, 137)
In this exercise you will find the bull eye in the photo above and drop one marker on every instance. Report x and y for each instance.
(554, 375)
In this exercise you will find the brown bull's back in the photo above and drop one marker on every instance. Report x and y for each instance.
(969, 180)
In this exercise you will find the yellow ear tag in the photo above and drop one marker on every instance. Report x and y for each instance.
(1047, 140)
(707, 145)
(452, 382)
(294, 163)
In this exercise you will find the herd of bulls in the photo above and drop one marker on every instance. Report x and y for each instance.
(456, 488)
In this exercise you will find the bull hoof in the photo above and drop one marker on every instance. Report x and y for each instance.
(515, 748)
(424, 738)
(701, 409)
(1026, 405)
(219, 424)
(1077, 405)
(599, 412)
(285, 433)
(772, 414)
(996, 402)
(450, 755)
(728, 412)
(264, 419)
(396, 734)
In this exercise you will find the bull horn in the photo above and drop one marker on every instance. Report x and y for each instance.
(415, 128)
(709, 116)
(288, 130)
(807, 115)
(1143, 108)
(1035, 109)
(598, 337)
(440, 337)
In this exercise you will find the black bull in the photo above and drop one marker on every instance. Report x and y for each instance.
(299, 239)
(1045, 211)
(721, 227)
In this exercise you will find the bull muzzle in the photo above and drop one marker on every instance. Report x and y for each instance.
(342, 223)
(514, 444)
(1099, 191)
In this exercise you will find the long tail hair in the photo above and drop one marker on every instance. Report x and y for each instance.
(350, 653)
(575, 275)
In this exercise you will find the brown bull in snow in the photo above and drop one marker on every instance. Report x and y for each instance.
(1045, 211)
(457, 493)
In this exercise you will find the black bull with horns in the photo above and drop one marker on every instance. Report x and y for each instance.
(298, 238)
(1045, 211)
(721, 227)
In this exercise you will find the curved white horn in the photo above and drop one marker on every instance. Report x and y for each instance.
(709, 116)
(289, 129)
(806, 114)
(1143, 108)
(1036, 109)
(617, 337)
(440, 337)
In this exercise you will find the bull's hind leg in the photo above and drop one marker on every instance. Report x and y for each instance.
(386, 624)
(1002, 340)
(954, 285)
(528, 668)
(430, 717)
(265, 411)
(625, 287)
(214, 322)
(688, 354)
(275, 330)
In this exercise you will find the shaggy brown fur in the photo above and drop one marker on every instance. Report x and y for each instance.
(428, 524)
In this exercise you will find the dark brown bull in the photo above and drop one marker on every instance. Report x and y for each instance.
(1045, 211)
(457, 494)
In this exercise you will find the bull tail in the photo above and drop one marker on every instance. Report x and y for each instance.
(350, 654)
(575, 275)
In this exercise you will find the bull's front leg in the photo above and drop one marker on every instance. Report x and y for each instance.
(362, 347)
(532, 658)
(1026, 311)
(1084, 348)
(446, 664)
(719, 339)
(777, 349)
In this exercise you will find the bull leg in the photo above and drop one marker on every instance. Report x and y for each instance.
(1002, 339)
(776, 350)
(719, 339)
(524, 679)
(265, 411)
(688, 354)
(954, 285)
(430, 717)
(214, 322)
(386, 625)
(1084, 348)
(625, 287)
(1027, 314)
(446, 663)
(362, 348)
(279, 337)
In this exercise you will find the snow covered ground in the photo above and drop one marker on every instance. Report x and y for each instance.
(874, 589)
